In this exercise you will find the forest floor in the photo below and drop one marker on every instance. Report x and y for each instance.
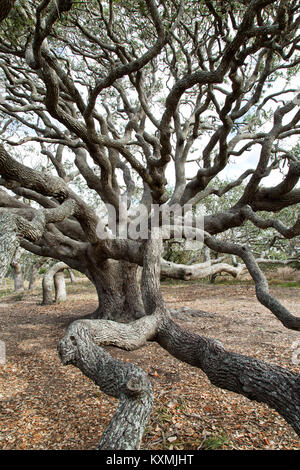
(44, 405)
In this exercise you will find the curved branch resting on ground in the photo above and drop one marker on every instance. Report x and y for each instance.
(277, 387)
(261, 284)
(124, 381)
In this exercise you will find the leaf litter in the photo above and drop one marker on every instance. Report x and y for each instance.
(44, 405)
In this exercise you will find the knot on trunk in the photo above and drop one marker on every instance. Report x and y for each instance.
(137, 385)
(71, 346)
(67, 348)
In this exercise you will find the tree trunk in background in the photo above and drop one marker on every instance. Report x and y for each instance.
(18, 278)
(48, 282)
(32, 276)
(34, 270)
(198, 271)
(17, 270)
(72, 275)
(60, 287)
(117, 285)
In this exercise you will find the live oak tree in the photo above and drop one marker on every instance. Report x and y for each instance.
(55, 275)
(272, 250)
(124, 90)
(268, 243)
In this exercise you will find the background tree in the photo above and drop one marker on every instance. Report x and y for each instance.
(17, 270)
(55, 274)
(34, 268)
(270, 248)
(127, 92)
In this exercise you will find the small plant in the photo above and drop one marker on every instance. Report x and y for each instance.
(215, 441)
(163, 414)
(181, 404)
(19, 297)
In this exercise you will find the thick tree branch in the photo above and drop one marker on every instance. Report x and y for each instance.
(261, 285)
(121, 380)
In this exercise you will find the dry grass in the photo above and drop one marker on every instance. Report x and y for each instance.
(286, 274)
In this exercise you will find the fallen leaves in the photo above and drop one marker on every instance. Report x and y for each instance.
(44, 405)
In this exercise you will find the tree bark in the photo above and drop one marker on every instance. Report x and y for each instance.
(33, 276)
(8, 243)
(119, 293)
(124, 381)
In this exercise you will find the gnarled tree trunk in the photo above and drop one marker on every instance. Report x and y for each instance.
(277, 387)
(48, 283)
(119, 293)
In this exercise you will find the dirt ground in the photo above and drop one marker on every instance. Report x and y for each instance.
(44, 405)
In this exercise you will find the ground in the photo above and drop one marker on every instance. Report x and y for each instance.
(44, 405)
